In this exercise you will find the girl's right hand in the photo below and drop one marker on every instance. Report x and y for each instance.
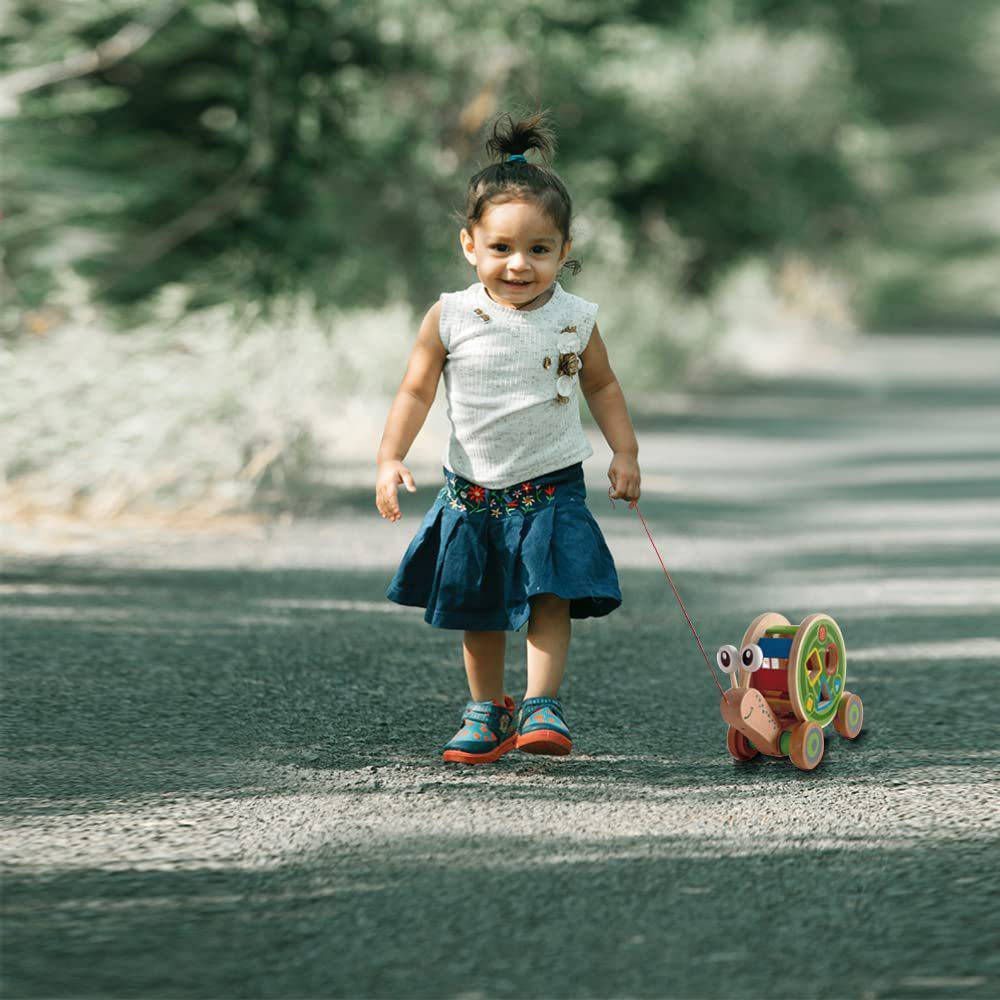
(387, 480)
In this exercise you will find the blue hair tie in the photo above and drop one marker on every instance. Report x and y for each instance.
(517, 156)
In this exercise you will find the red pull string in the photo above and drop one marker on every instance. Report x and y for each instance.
(635, 506)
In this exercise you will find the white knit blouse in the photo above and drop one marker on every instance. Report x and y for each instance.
(502, 380)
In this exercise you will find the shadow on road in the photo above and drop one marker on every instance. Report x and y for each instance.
(227, 782)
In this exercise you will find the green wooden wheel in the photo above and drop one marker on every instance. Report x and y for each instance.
(817, 669)
(807, 745)
(850, 716)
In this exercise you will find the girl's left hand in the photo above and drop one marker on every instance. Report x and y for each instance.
(624, 476)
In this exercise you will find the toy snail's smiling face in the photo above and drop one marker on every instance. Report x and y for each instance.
(729, 659)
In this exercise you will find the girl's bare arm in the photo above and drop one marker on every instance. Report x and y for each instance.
(607, 403)
(408, 412)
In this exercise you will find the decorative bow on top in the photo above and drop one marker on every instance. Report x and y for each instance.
(569, 363)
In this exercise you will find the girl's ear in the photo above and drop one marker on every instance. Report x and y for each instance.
(565, 250)
(468, 246)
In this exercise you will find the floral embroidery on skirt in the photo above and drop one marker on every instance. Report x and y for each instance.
(525, 497)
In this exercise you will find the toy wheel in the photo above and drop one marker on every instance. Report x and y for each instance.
(739, 745)
(756, 628)
(806, 749)
(817, 669)
(850, 716)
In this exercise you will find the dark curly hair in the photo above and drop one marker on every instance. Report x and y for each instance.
(507, 180)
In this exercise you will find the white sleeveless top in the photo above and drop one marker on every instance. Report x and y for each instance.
(502, 380)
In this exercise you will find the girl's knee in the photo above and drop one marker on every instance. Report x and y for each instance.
(480, 638)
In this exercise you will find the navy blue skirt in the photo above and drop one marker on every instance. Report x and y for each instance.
(480, 554)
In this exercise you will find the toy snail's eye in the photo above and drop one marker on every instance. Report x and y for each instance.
(728, 659)
(751, 657)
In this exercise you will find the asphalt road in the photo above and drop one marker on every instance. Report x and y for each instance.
(222, 767)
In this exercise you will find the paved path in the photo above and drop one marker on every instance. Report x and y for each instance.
(222, 750)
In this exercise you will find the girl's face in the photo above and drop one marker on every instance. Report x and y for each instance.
(516, 250)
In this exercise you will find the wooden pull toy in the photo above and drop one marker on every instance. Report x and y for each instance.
(788, 683)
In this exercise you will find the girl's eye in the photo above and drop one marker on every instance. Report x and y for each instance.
(503, 247)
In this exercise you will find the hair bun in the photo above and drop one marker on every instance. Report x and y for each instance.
(516, 137)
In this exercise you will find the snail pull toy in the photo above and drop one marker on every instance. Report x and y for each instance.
(787, 684)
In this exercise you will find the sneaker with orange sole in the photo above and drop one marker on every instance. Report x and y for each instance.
(486, 734)
(541, 727)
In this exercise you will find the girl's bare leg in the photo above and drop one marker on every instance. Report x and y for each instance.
(548, 644)
(484, 664)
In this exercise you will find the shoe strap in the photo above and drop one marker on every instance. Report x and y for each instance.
(483, 711)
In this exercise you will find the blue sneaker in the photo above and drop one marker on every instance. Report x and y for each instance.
(487, 733)
(541, 727)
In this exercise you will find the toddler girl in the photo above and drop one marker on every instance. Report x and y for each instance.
(509, 539)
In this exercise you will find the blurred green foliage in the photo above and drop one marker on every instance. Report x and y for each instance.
(252, 148)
